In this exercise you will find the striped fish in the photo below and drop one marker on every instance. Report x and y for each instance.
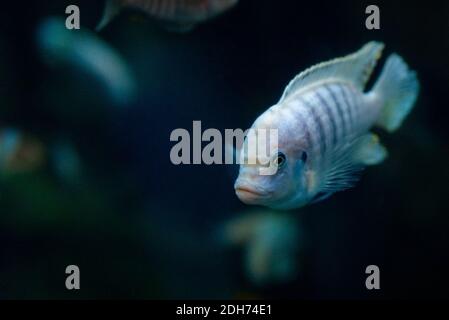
(178, 15)
(323, 120)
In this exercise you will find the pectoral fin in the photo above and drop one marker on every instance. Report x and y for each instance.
(346, 162)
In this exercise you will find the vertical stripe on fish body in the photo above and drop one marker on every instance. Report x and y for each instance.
(330, 113)
(323, 119)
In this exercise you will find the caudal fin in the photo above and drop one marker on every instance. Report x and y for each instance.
(398, 88)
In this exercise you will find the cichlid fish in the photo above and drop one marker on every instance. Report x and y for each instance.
(66, 162)
(85, 51)
(272, 243)
(323, 121)
(179, 15)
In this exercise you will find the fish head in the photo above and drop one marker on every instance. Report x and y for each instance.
(276, 176)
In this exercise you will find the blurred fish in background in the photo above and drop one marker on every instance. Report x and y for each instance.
(66, 162)
(20, 152)
(83, 50)
(176, 15)
(272, 242)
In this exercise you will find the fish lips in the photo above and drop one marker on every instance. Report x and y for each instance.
(251, 195)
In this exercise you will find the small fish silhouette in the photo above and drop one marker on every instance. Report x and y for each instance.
(272, 242)
(84, 50)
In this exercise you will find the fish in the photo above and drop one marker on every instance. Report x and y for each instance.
(272, 242)
(66, 162)
(20, 152)
(178, 15)
(323, 121)
(83, 50)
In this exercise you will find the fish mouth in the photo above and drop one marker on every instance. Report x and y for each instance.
(250, 195)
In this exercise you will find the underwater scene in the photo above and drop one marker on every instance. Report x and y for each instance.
(224, 149)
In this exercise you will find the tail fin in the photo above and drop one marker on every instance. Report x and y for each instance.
(398, 88)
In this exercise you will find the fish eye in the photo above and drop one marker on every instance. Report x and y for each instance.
(280, 160)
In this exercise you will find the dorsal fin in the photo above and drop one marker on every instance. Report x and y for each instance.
(355, 68)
